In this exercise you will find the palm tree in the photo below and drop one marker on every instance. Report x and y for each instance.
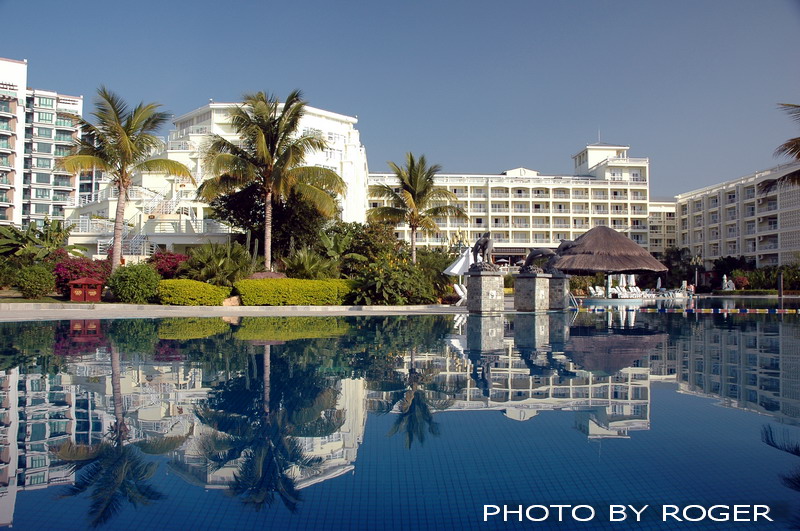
(120, 143)
(790, 148)
(417, 202)
(271, 155)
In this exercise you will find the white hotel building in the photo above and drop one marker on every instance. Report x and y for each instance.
(163, 210)
(33, 135)
(523, 208)
(734, 219)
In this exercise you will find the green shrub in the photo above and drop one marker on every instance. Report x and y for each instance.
(293, 292)
(391, 280)
(35, 282)
(221, 264)
(184, 292)
(8, 272)
(305, 263)
(135, 284)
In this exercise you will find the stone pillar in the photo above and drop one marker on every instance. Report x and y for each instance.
(485, 292)
(559, 292)
(532, 292)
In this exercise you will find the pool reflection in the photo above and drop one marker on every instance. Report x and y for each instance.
(266, 407)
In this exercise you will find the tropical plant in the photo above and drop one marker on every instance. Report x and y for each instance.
(305, 263)
(221, 264)
(337, 245)
(36, 244)
(121, 142)
(270, 155)
(391, 281)
(418, 200)
(790, 148)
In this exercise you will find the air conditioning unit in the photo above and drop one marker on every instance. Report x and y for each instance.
(760, 220)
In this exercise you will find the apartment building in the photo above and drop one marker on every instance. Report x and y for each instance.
(662, 225)
(735, 219)
(523, 208)
(163, 210)
(34, 133)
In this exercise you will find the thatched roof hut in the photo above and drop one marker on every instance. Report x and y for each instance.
(604, 250)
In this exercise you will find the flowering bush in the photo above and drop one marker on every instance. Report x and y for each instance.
(74, 268)
(166, 263)
(741, 282)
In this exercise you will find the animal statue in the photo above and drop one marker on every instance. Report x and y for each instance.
(482, 247)
(536, 253)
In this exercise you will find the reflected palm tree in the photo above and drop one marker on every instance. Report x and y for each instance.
(790, 446)
(416, 404)
(113, 470)
(264, 449)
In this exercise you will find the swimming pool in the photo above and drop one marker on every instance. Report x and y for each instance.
(447, 422)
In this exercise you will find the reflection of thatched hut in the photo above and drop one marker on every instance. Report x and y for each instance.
(604, 250)
(613, 351)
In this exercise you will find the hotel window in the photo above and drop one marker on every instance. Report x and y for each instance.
(616, 173)
(43, 147)
(4, 160)
(41, 193)
(731, 197)
(44, 117)
(44, 132)
(41, 209)
(43, 163)
(5, 125)
(42, 178)
(45, 102)
(64, 136)
(5, 106)
(636, 174)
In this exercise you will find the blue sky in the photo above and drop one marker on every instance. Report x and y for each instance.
(477, 86)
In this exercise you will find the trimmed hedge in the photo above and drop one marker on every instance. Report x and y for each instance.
(185, 292)
(293, 292)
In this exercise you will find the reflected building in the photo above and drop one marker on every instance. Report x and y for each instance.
(746, 364)
(545, 362)
(37, 413)
(337, 451)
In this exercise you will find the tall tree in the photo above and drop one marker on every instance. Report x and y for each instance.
(271, 154)
(790, 148)
(418, 200)
(120, 143)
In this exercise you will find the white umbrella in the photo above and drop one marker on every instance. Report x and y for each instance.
(658, 283)
(621, 280)
(631, 280)
(461, 265)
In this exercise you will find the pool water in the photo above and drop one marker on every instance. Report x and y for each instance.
(419, 422)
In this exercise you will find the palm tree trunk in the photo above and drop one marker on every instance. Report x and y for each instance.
(268, 230)
(413, 245)
(267, 355)
(119, 220)
(120, 430)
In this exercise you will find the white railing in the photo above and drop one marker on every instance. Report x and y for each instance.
(134, 193)
(99, 226)
(204, 226)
